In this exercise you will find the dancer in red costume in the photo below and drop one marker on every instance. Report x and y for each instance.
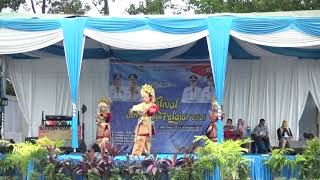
(144, 129)
(103, 122)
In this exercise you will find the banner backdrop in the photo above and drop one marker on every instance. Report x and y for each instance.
(184, 92)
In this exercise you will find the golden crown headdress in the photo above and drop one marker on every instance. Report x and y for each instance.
(215, 107)
(147, 89)
(105, 100)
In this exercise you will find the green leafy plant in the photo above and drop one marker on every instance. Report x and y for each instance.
(25, 153)
(228, 156)
(278, 161)
(185, 168)
(8, 168)
(90, 165)
(155, 168)
(48, 165)
(310, 160)
(131, 170)
(50, 173)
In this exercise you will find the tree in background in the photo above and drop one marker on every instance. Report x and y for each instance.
(11, 4)
(246, 6)
(149, 7)
(102, 6)
(60, 6)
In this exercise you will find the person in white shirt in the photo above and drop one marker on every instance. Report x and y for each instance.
(191, 93)
(262, 137)
(133, 90)
(117, 91)
(208, 92)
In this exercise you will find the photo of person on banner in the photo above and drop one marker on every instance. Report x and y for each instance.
(144, 129)
(191, 93)
(117, 91)
(208, 92)
(132, 92)
(103, 119)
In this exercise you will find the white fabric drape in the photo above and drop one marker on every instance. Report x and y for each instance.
(144, 39)
(289, 38)
(14, 121)
(314, 73)
(13, 41)
(273, 88)
(40, 85)
(255, 49)
(174, 52)
(94, 83)
(43, 85)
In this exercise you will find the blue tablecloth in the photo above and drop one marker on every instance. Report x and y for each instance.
(259, 171)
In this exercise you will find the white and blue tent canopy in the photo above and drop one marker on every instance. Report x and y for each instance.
(18, 35)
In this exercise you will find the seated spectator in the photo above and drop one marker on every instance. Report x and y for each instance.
(228, 126)
(229, 130)
(284, 134)
(261, 137)
(241, 130)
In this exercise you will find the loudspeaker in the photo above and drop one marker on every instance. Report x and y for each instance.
(32, 140)
(83, 109)
(4, 148)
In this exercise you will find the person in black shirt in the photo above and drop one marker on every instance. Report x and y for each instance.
(284, 134)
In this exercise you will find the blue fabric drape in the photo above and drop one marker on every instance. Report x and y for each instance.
(259, 171)
(30, 168)
(268, 25)
(219, 30)
(166, 25)
(30, 24)
(296, 52)
(260, 25)
(309, 26)
(137, 55)
(73, 44)
(178, 25)
(200, 51)
(92, 53)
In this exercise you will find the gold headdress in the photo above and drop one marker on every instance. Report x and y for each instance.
(105, 100)
(214, 107)
(148, 89)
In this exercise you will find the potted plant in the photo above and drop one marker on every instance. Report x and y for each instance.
(23, 154)
(131, 170)
(184, 168)
(228, 156)
(277, 162)
(310, 160)
(156, 169)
